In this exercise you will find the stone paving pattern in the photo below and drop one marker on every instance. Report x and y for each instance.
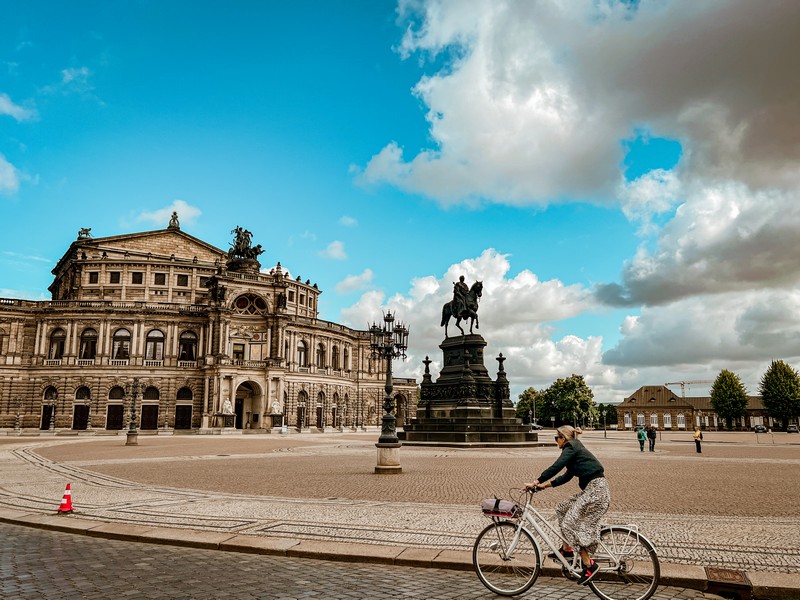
(733, 506)
(97, 569)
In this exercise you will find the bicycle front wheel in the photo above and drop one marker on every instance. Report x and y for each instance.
(504, 571)
(629, 567)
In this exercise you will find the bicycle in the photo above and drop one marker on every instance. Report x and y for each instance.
(508, 558)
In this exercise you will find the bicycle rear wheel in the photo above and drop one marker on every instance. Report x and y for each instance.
(629, 567)
(503, 573)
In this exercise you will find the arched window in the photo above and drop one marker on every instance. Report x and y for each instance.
(116, 393)
(83, 393)
(640, 419)
(321, 356)
(667, 421)
(57, 339)
(335, 358)
(187, 346)
(154, 345)
(121, 345)
(151, 393)
(346, 361)
(184, 393)
(681, 421)
(627, 421)
(302, 354)
(50, 395)
(88, 349)
(654, 420)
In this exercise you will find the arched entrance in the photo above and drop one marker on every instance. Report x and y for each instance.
(248, 406)
(302, 402)
(401, 409)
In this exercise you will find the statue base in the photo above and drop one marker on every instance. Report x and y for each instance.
(388, 459)
(465, 407)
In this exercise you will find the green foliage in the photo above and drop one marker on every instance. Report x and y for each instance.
(729, 396)
(525, 404)
(611, 413)
(780, 391)
(570, 400)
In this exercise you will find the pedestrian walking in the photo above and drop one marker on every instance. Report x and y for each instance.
(651, 437)
(698, 438)
(641, 436)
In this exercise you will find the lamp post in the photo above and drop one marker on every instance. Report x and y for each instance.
(389, 341)
(603, 416)
(133, 433)
(53, 411)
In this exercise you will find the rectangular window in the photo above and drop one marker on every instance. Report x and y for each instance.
(302, 299)
(183, 280)
(137, 278)
(238, 352)
(291, 296)
(113, 277)
(94, 277)
(160, 279)
(203, 281)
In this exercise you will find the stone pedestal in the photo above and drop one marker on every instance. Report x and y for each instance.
(388, 459)
(132, 439)
(465, 407)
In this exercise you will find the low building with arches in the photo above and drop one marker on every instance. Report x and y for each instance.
(189, 334)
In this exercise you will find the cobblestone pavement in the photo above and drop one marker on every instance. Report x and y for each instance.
(734, 506)
(61, 566)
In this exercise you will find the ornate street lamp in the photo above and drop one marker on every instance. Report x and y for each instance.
(389, 341)
(132, 389)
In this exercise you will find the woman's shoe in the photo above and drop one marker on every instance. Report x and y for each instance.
(587, 573)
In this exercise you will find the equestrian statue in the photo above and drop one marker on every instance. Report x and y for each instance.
(463, 306)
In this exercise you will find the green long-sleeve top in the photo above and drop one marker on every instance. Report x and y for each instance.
(578, 462)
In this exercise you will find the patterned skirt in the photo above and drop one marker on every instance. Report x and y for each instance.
(579, 515)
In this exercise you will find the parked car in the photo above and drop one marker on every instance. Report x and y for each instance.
(760, 429)
(536, 426)
(791, 429)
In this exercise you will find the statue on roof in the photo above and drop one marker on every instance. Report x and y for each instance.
(241, 246)
(84, 233)
(173, 222)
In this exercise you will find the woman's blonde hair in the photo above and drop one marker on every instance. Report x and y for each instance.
(568, 432)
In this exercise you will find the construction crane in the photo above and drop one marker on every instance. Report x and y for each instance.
(683, 385)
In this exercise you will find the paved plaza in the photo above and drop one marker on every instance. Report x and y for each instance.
(734, 506)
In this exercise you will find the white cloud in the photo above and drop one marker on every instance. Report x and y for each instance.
(78, 76)
(535, 97)
(348, 221)
(7, 107)
(353, 283)
(724, 237)
(187, 214)
(9, 177)
(335, 251)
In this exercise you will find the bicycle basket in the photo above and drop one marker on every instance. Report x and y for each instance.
(495, 507)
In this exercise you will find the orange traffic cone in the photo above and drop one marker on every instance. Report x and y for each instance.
(66, 501)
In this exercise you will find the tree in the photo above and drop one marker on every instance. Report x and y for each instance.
(525, 406)
(610, 413)
(570, 400)
(729, 397)
(780, 390)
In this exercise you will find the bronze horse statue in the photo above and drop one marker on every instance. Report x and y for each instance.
(470, 312)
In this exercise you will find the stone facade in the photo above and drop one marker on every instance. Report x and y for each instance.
(197, 330)
(660, 406)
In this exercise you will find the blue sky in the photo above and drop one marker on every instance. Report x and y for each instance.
(623, 177)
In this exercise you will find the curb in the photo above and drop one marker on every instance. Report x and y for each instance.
(765, 586)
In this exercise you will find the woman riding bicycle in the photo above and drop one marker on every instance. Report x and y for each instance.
(579, 515)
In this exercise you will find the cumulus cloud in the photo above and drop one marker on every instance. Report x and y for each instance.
(335, 251)
(348, 221)
(7, 107)
(353, 283)
(187, 214)
(9, 177)
(536, 97)
(724, 237)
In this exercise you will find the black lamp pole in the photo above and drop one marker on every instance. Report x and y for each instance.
(133, 432)
(389, 341)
